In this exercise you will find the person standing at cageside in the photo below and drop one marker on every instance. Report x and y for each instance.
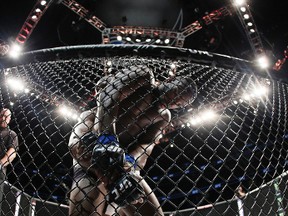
(8, 148)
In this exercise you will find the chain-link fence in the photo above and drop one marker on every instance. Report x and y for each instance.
(224, 154)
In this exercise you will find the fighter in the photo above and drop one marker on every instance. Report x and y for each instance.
(111, 142)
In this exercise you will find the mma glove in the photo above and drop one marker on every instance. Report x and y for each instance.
(107, 154)
(125, 190)
(109, 158)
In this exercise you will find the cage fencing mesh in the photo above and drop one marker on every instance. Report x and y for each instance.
(224, 155)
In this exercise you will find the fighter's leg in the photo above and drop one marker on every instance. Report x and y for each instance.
(87, 199)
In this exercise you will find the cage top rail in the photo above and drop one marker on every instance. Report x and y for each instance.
(153, 51)
(110, 50)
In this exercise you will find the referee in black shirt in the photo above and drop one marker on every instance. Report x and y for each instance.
(8, 147)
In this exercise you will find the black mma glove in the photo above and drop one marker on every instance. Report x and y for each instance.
(109, 158)
(125, 190)
(107, 155)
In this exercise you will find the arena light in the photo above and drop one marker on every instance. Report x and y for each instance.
(26, 90)
(109, 63)
(43, 3)
(67, 112)
(260, 91)
(208, 115)
(246, 16)
(203, 117)
(119, 38)
(15, 50)
(250, 24)
(158, 41)
(148, 40)
(263, 61)
(171, 73)
(243, 9)
(239, 2)
(16, 84)
(34, 17)
(257, 91)
(173, 66)
(195, 121)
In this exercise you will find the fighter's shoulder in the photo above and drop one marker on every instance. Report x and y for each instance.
(11, 132)
(87, 115)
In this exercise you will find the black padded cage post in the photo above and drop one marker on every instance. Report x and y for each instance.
(232, 164)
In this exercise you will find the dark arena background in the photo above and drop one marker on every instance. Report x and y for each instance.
(225, 154)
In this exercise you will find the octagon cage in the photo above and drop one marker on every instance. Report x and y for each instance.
(224, 154)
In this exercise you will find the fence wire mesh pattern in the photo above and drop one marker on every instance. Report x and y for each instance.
(224, 152)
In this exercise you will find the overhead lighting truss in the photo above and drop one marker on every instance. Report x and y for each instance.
(145, 35)
(206, 20)
(122, 34)
(156, 36)
(84, 13)
(32, 20)
(248, 24)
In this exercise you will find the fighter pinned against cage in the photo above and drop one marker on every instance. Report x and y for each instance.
(112, 142)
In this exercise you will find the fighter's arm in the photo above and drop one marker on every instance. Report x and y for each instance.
(79, 151)
(9, 156)
(126, 82)
(11, 152)
(122, 86)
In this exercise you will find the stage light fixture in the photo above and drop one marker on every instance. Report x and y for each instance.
(173, 66)
(34, 17)
(239, 2)
(204, 116)
(246, 16)
(119, 38)
(43, 2)
(109, 63)
(68, 112)
(15, 84)
(15, 50)
(260, 91)
(263, 61)
(243, 9)
(148, 40)
(158, 41)
(250, 24)
(166, 41)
